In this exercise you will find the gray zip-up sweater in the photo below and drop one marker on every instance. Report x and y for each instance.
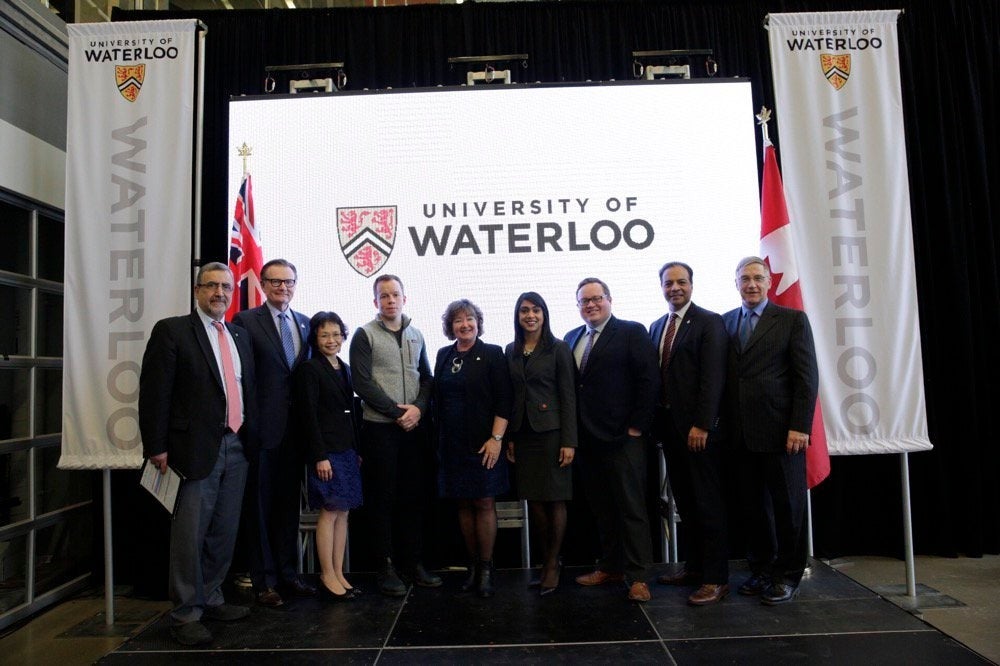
(389, 368)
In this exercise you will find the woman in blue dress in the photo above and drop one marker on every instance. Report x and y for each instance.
(323, 403)
(472, 397)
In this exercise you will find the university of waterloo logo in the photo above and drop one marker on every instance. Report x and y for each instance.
(836, 68)
(129, 79)
(367, 235)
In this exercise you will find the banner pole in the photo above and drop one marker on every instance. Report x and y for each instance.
(109, 570)
(911, 577)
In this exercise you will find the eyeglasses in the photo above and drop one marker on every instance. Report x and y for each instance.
(275, 282)
(212, 286)
(595, 300)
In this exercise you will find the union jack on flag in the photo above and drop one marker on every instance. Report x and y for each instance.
(245, 256)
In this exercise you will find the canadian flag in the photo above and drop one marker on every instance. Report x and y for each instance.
(245, 255)
(777, 250)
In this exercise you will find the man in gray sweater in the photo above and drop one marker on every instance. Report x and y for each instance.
(391, 374)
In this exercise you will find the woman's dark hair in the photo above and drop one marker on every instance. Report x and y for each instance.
(455, 308)
(318, 320)
(536, 299)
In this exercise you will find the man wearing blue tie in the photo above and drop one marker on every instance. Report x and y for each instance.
(272, 498)
(771, 395)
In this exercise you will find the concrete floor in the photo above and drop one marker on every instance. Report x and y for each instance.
(70, 633)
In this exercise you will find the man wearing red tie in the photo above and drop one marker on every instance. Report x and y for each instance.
(692, 342)
(196, 412)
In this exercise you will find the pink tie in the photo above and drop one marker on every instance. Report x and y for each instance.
(234, 407)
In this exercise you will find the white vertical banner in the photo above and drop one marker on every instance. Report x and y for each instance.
(839, 112)
(129, 167)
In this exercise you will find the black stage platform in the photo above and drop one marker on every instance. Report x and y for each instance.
(834, 620)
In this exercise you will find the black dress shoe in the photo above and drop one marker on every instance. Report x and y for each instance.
(755, 584)
(779, 593)
(331, 597)
(300, 588)
(191, 633)
(423, 578)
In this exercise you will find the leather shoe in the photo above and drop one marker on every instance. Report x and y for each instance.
(639, 592)
(329, 596)
(300, 588)
(598, 577)
(270, 598)
(225, 612)
(423, 578)
(755, 584)
(779, 593)
(682, 577)
(191, 633)
(708, 594)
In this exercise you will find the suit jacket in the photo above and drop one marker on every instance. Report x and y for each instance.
(544, 392)
(696, 376)
(772, 384)
(182, 399)
(274, 377)
(487, 389)
(620, 385)
(323, 408)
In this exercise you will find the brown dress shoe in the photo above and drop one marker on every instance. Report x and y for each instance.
(682, 577)
(598, 577)
(639, 592)
(708, 594)
(270, 598)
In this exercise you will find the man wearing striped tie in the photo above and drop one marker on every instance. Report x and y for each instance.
(197, 412)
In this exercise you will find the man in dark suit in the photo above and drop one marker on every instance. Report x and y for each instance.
(271, 504)
(196, 413)
(692, 342)
(772, 385)
(616, 390)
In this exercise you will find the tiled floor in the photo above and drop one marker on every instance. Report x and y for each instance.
(834, 620)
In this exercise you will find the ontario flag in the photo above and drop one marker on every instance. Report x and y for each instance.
(777, 250)
(245, 257)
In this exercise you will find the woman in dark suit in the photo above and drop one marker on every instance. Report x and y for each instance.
(323, 401)
(542, 439)
(471, 406)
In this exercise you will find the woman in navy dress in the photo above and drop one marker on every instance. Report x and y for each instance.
(472, 404)
(542, 437)
(323, 402)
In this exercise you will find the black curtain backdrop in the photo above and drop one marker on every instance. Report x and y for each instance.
(949, 50)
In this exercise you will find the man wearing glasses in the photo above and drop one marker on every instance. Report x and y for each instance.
(272, 498)
(617, 385)
(197, 411)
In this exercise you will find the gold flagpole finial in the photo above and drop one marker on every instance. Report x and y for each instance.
(245, 152)
(763, 118)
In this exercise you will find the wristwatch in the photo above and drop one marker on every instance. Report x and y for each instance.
(498, 438)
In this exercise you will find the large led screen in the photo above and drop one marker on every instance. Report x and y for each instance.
(488, 191)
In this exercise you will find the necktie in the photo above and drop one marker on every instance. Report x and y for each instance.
(234, 406)
(586, 350)
(286, 339)
(668, 341)
(746, 328)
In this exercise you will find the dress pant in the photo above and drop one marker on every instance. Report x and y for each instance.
(774, 497)
(396, 471)
(272, 515)
(696, 482)
(614, 480)
(203, 533)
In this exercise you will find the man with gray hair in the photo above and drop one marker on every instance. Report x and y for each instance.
(197, 413)
(772, 385)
